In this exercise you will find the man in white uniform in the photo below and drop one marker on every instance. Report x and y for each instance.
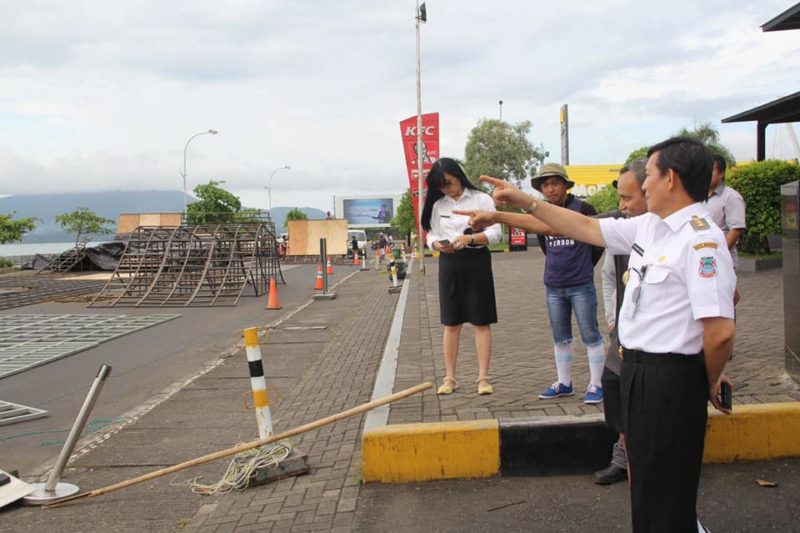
(676, 325)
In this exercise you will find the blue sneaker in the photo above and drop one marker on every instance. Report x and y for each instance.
(555, 390)
(594, 394)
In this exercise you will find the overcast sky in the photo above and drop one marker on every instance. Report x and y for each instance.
(104, 95)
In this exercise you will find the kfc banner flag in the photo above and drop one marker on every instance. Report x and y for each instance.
(430, 150)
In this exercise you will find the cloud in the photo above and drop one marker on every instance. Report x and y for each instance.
(105, 99)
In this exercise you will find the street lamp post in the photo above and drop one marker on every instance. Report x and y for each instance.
(269, 187)
(501, 109)
(209, 132)
(421, 16)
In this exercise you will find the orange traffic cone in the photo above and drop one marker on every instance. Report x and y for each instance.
(330, 267)
(318, 285)
(273, 302)
(355, 259)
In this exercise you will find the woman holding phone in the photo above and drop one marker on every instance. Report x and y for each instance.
(466, 284)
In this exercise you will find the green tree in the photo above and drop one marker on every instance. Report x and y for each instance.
(708, 135)
(637, 154)
(12, 230)
(84, 221)
(760, 186)
(295, 214)
(213, 205)
(604, 200)
(502, 150)
(404, 216)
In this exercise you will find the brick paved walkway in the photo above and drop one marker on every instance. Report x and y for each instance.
(522, 355)
(339, 378)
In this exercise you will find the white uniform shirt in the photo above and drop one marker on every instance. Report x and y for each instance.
(446, 225)
(727, 210)
(679, 271)
(609, 279)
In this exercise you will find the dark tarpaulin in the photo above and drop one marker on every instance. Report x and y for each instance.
(104, 256)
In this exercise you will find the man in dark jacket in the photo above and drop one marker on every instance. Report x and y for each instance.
(569, 281)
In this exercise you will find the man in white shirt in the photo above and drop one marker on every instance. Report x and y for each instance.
(727, 207)
(676, 325)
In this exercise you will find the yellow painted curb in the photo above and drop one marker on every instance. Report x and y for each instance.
(753, 432)
(442, 450)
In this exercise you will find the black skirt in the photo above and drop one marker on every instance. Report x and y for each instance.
(466, 287)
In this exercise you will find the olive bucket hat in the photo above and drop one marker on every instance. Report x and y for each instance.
(548, 170)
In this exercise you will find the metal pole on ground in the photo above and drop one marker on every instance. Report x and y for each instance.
(249, 445)
(323, 258)
(53, 489)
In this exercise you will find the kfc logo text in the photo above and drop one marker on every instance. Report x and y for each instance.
(426, 130)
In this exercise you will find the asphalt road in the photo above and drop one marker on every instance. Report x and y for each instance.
(144, 364)
(730, 500)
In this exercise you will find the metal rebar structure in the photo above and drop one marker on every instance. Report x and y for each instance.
(67, 260)
(193, 266)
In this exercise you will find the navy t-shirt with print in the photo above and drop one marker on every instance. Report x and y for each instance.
(569, 262)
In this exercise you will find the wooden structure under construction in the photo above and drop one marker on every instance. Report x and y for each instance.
(193, 266)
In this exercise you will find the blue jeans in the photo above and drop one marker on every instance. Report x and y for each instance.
(583, 300)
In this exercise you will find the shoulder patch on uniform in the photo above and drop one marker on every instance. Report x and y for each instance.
(711, 245)
(699, 223)
(708, 267)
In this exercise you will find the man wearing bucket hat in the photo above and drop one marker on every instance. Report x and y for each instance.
(569, 282)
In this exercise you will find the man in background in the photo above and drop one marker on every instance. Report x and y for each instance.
(632, 203)
(569, 284)
(726, 206)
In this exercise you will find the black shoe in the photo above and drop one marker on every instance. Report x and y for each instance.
(610, 475)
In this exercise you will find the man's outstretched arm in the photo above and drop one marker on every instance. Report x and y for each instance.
(561, 221)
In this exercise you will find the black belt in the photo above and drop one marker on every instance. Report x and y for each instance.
(638, 356)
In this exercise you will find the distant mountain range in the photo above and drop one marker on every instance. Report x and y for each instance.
(107, 205)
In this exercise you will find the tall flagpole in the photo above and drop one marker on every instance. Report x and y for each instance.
(420, 155)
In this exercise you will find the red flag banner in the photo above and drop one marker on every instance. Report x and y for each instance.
(430, 150)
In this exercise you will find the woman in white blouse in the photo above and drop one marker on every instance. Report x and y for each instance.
(466, 284)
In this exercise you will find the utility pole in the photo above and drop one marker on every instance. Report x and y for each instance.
(421, 17)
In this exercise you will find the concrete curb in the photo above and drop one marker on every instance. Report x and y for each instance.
(440, 450)
(557, 445)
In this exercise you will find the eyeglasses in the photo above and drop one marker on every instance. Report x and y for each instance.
(637, 291)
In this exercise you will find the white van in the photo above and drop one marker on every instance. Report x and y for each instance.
(361, 238)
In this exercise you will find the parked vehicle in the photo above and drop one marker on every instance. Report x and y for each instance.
(361, 239)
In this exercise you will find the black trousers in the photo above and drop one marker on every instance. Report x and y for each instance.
(612, 400)
(664, 407)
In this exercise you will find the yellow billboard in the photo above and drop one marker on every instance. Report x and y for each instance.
(591, 178)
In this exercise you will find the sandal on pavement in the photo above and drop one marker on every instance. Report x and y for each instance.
(448, 386)
(484, 387)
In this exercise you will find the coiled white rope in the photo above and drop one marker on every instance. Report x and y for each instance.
(243, 466)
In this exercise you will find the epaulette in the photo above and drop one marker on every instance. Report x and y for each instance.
(699, 223)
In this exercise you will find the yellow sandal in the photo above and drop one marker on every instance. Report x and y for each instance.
(448, 386)
(486, 387)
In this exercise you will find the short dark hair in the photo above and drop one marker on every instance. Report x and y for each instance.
(637, 167)
(435, 180)
(720, 163)
(690, 159)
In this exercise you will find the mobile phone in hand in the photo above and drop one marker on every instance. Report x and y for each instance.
(725, 395)
(445, 242)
